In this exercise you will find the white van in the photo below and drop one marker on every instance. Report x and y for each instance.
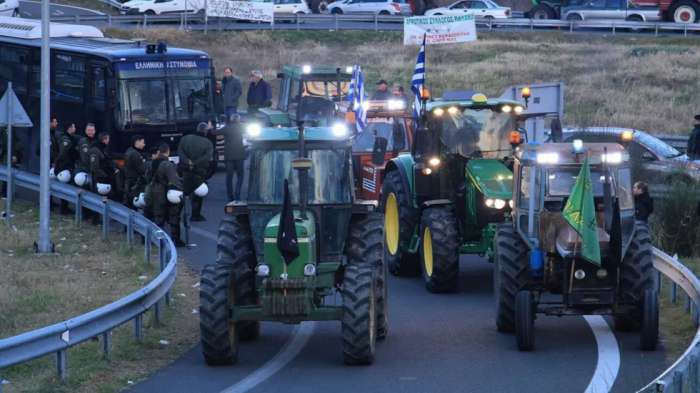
(159, 7)
(9, 7)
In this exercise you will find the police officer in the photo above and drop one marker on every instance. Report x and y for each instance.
(65, 161)
(134, 170)
(151, 168)
(196, 155)
(166, 193)
(693, 150)
(102, 168)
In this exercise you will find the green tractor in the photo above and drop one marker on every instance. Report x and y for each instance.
(339, 240)
(540, 266)
(313, 94)
(447, 196)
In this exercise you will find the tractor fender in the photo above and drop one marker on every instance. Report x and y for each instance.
(404, 165)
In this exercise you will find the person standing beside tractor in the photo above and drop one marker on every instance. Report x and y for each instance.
(196, 155)
(643, 203)
(693, 150)
(165, 193)
(259, 93)
(231, 91)
(234, 156)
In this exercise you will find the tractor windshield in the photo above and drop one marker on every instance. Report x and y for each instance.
(394, 132)
(560, 182)
(471, 132)
(329, 178)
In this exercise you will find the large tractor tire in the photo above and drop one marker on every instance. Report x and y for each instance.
(439, 249)
(684, 11)
(636, 277)
(399, 221)
(218, 335)
(525, 321)
(235, 251)
(542, 11)
(359, 323)
(510, 275)
(366, 245)
(650, 321)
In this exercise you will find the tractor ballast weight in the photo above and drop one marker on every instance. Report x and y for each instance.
(339, 242)
(540, 253)
(446, 198)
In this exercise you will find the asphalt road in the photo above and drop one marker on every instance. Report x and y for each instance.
(32, 9)
(437, 343)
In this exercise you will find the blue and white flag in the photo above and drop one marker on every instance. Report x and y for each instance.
(358, 98)
(418, 81)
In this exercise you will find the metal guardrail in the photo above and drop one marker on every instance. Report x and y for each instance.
(684, 374)
(58, 337)
(375, 22)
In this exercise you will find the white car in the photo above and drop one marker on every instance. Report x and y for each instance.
(479, 8)
(381, 7)
(9, 7)
(289, 6)
(158, 7)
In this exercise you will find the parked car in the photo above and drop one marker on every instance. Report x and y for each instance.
(608, 9)
(381, 7)
(479, 8)
(9, 7)
(292, 7)
(659, 159)
(158, 7)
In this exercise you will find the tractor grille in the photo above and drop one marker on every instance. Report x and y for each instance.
(286, 297)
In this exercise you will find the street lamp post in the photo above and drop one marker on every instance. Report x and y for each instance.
(44, 243)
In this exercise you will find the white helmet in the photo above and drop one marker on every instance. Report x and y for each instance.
(174, 196)
(81, 179)
(104, 188)
(52, 173)
(140, 201)
(202, 190)
(64, 176)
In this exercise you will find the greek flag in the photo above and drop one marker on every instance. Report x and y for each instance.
(358, 98)
(418, 81)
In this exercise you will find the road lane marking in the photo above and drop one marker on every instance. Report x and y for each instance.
(608, 363)
(296, 342)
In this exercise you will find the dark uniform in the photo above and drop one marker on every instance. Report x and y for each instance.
(65, 159)
(134, 175)
(83, 148)
(234, 157)
(196, 155)
(165, 178)
(643, 206)
(17, 149)
(693, 150)
(102, 168)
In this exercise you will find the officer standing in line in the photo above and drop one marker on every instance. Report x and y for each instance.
(82, 165)
(151, 168)
(166, 194)
(102, 168)
(134, 170)
(196, 155)
(64, 164)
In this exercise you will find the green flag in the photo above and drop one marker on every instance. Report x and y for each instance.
(579, 212)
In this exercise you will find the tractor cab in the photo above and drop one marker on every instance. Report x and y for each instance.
(388, 132)
(574, 247)
(316, 95)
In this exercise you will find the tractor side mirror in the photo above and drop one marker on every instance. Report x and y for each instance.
(379, 150)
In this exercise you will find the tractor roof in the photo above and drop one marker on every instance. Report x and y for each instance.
(317, 72)
(565, 153)
(478, 101)
(291, 134)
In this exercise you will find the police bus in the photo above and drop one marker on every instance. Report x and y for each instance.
(124, 87)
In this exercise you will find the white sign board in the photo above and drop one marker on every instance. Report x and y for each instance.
(247, 10)
(438, 29)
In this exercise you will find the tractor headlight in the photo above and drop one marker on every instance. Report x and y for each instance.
(435, 161)
(499, 204)
(427, 171)
(452, 110)
(506, 108)
(489, 202)
(340, 130)
(306, 69)
(518, 109)
(253, 130)
(511, 204)
(263, 270)
(547, 158)
(309, 269)
(348, 70)
(438, 112)
(578, 145)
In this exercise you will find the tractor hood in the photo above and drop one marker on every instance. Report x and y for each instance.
(491, 178)
(306, 237)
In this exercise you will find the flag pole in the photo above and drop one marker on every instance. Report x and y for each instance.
(578, 237)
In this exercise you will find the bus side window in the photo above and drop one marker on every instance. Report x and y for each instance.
(14, 67)
(98, 86)
(69, 77)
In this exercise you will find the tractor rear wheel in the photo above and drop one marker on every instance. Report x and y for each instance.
(510, 275)
(359, 323)
(366, 245)
(525, 321)
(650, 321)
(399, 221)
(235, 251)
(439, 249)
(218, 335)
(636, 277)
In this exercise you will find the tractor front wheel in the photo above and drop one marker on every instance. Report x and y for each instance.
(439, 249)
(218, 335)
(235, 251)
(525, 321)
(399, 221)
(636, 277)
(359, 323)
(365, 245)
(510, 275)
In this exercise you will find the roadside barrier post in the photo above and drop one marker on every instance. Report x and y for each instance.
(335, 20)
(147, 246)
(78, 208)
(674, 293)
(693, 373)
(130, 230)
(105, 218)
(163, 257)
(61, 364)
(107, 345)
(138, 327)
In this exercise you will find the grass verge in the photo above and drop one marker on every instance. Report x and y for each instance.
(85, 273)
